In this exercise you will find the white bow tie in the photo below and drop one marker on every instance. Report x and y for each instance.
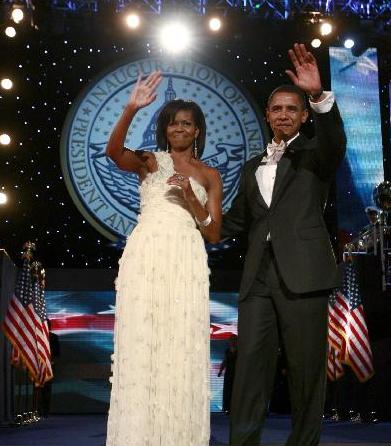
(275, 152)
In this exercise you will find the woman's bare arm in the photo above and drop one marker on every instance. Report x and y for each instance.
(211, 231)
(142, 95)
(214, 207)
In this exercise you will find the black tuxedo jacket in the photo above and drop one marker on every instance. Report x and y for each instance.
(299, 237)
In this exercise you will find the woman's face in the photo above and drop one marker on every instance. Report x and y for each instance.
(182, 131)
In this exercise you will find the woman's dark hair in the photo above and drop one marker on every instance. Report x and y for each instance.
(167, 115)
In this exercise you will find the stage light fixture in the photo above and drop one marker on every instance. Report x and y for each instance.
(17, 15)
(6, 84)
(3, 198)
(133, 20)
(5, 139)
(348, 43)
(311, 17)
(315, 43)
(326, 28)
(175, 37)
(215, 24)
(10, 31)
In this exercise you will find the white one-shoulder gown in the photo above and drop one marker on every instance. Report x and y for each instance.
(160, 382)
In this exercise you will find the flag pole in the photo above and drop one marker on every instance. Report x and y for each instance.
(36, 415)
(382, 256)
(335, 388)
(18, 419)
(26, 398)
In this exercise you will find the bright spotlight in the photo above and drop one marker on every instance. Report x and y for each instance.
(7, 84)
(10, 31)
(316, 43)
(326, 29)
(215, 24)
(17, 15)
(175, 37)
(133, 21)
(3, 198)
(5, 139)
(349, 43)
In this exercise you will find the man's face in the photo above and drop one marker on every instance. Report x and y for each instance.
(285, 114)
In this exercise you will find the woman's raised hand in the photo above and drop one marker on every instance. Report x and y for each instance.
(144, 91)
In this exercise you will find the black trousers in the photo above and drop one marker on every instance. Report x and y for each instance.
(271, 309)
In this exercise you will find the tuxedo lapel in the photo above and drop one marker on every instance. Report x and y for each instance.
(284, 168)
(254, 183)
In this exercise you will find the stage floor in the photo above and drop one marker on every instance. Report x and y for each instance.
(90, 430)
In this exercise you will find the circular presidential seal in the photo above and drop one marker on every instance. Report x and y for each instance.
(108, 197)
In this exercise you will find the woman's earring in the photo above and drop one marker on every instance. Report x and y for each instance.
(195, 149)
(168, 147)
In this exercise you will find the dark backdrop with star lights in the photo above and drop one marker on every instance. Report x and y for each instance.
(50, 65)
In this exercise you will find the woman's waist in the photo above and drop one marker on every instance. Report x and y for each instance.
(173, 217)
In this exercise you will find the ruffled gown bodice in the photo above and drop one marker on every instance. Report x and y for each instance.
(161, 202)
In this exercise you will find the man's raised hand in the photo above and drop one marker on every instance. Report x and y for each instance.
(306, 75)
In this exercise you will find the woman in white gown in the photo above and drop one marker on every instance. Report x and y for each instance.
(160, 382)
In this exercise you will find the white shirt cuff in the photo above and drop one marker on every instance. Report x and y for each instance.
(325, 104)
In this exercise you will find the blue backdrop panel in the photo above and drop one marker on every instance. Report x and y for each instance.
(355, 83)
(84, 322)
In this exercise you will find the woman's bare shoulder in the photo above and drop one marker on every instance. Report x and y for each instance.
(210, 175)
(210, 172)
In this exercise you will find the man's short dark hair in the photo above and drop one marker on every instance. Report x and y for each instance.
(167, 115)
(288, 88)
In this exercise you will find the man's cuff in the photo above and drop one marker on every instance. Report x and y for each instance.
(325, 104)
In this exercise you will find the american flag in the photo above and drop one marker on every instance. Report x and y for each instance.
(42, 329)
(347, 330)
(20, 321)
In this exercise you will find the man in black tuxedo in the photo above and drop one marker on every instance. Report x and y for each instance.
(290, 267)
